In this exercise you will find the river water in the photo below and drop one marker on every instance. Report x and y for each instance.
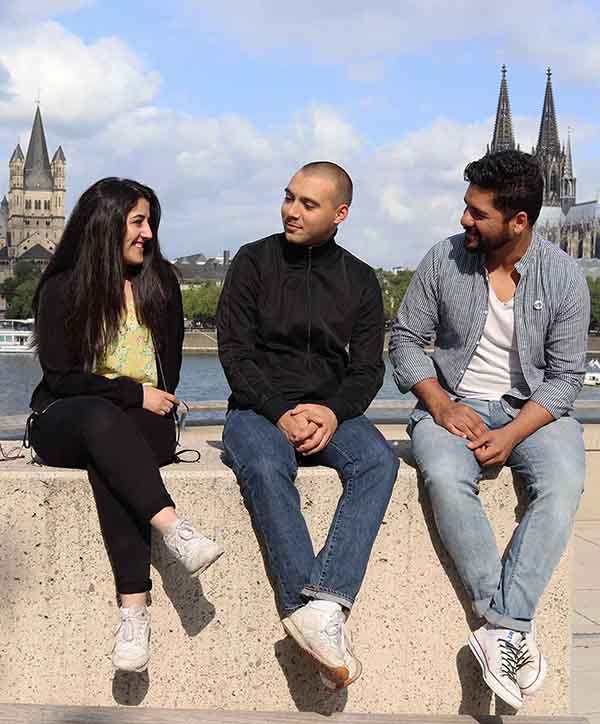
(202, 378)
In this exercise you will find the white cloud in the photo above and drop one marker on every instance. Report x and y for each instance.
(322, 133)
(82, 85)
(394, 203)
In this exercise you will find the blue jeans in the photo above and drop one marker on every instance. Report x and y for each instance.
(266, 464)
(551, 462)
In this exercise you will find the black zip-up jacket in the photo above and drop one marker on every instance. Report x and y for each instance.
(63, 372)
(300, 324)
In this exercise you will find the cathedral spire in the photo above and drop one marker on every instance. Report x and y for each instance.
(548, 142)
(568, 182)
(568, 172)
(503, 139)
(38, 174)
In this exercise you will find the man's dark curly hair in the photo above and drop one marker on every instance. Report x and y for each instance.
(514, 177)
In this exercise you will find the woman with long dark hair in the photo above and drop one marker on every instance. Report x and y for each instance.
(109, 334)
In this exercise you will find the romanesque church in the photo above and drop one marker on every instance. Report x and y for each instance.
(32, 214)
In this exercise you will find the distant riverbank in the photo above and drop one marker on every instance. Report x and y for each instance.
(204, 341)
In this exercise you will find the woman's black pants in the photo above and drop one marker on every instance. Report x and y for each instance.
(122, 451)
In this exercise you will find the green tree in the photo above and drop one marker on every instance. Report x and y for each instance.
(20, 288)
(594, 286)
(393, 288)
(200, 301)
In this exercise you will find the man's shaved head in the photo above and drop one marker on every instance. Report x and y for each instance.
(340, 178)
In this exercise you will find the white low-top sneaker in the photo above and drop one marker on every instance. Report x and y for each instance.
(193, 550)
(319, 629)
(531, 666)
(131, 650)
(497, 652)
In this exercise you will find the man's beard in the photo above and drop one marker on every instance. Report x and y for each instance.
(481, 246)
(484, 245)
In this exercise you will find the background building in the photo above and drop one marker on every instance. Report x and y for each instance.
(198, 268)
(32, 214)
(574, 226)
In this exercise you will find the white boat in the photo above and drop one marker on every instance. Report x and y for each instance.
(592, 379)
(16, 336)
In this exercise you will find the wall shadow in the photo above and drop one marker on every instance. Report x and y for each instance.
(185, 592)
(304, 683)
(130, 688)
(476, 697)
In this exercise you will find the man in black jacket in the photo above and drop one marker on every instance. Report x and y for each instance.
(301, 330)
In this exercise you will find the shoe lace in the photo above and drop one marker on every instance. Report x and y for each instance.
(131, 627)
(524, 657)
(183, 532)
(334, 629)
(509, 654)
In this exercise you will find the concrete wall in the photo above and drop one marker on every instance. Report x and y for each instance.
(217, 641)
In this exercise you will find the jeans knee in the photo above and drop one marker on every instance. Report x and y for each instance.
(389, 464)
(264, 474)
(380, 458)
(560, 504)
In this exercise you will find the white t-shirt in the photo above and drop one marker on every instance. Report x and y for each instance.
(495, 367)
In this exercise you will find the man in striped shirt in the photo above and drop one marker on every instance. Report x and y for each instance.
(510, 315)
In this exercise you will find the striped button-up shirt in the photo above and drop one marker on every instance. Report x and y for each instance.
(448, 298)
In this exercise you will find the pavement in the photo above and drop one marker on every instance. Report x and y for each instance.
(585, 653)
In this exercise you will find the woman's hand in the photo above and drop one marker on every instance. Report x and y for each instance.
(158, 401)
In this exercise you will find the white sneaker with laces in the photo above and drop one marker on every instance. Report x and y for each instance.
(193, 550)
(531, 666)
(131, 650)
(497, 652)
(319, 629)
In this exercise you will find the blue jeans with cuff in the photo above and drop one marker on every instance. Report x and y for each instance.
(266, 465)
(551, 462)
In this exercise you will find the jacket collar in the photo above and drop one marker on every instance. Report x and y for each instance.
(299, 253)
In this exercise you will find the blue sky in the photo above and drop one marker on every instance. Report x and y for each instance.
(216, 106)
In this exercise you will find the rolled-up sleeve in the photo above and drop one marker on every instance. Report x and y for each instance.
(415, 324)
(565, 351)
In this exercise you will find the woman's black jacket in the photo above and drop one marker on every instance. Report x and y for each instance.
(63, 371)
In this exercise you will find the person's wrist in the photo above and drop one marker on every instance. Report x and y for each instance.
(512, 432)
(439, 408)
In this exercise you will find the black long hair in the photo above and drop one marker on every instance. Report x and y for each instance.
(90, 251)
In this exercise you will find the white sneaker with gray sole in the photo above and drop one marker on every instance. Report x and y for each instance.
(131, 649)
(531, 666)
(193, 550)
(497, 653)
(319, 629)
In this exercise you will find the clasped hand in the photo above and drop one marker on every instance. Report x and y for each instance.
(490, 447)
(308, 427)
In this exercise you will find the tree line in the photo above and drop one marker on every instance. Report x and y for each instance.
(200, 300)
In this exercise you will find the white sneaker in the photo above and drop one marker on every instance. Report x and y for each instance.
(497, 652)
(193, 550)
(131, 650)
(531, 666)
(319, 629)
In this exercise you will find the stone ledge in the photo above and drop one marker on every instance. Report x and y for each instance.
(217, 641)
(23, 714)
